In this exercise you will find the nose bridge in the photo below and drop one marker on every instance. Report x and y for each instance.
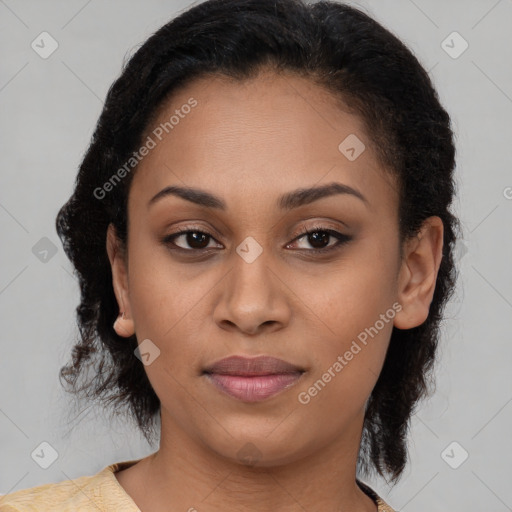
(251, 269)
(252, 283)
(252, 294)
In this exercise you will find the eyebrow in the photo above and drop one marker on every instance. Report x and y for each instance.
(288, 201)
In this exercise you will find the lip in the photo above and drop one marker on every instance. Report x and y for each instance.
(252, 366)
(252, 379)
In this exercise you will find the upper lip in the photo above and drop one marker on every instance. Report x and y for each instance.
(244, 366)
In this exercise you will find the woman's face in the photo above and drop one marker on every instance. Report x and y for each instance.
(247, 280)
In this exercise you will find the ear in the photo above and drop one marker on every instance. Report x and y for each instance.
(418, 274)
(123, 325)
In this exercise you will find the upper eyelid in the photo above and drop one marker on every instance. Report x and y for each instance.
(303, 230)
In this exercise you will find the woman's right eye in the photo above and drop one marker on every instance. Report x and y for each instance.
(195, 239)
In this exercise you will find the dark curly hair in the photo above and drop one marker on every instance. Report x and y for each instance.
(373, 74)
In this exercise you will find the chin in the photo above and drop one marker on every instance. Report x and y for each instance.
(261, 449)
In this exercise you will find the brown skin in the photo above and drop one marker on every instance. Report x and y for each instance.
(249, 143)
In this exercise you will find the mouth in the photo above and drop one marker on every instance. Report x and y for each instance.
(252, 379)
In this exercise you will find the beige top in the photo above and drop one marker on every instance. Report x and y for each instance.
(100, 492)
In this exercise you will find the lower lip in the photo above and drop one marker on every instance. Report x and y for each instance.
(253, 389)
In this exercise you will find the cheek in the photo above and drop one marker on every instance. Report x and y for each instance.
(353, 319)
(169, 303)
(155, 304)
(347, 353)
(159, 293)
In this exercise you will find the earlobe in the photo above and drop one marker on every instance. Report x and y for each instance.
(123, 325)
(418, 274)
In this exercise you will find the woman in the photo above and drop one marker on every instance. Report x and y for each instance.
(262, 236)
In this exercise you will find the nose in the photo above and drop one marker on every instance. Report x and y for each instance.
(253, 299)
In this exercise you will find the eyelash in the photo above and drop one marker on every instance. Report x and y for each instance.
(342, 239)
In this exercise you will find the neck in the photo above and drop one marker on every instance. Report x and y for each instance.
(185, 474)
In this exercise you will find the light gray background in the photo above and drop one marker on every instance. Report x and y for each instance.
(48, 111)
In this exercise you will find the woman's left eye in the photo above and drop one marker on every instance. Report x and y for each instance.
(320, 236)
(199, 240)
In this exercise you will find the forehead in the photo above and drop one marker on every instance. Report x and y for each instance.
(259, 137)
